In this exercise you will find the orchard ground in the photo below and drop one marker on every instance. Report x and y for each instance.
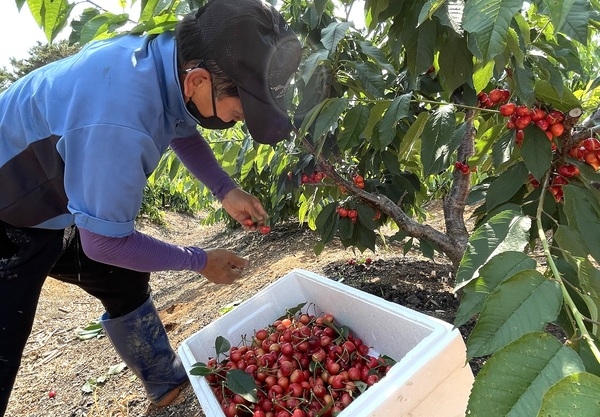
(56, 359)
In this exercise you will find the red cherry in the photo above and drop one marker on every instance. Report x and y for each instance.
(568, 170)
(522, 111)
(52, 393)
(577, 152)
(542, 124)
(523, 121)
(537, 114)
(496, 95)
(507, 109)
(264, 229)
(555, 116)
(591, 144)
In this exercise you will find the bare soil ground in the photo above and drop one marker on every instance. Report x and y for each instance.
(56, 359)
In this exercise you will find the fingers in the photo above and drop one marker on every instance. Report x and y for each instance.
(237, 262)
(223, 266)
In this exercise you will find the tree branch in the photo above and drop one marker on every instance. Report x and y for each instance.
(391, 209)
(455, 202)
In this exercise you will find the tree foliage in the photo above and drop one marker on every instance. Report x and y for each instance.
(39, 55)
(405, 106)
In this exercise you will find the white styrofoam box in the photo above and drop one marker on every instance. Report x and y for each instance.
(430, 379)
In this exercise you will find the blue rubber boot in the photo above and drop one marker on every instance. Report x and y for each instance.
(141, 340)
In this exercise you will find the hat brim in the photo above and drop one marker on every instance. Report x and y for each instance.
(266, 122)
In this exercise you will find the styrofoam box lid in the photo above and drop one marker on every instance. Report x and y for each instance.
(407, 336)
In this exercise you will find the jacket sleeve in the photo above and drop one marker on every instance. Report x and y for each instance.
(197, 156)
(140, 252)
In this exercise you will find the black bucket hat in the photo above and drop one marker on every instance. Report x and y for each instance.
(259, 52)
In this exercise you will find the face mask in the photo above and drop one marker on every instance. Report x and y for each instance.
(212, 122)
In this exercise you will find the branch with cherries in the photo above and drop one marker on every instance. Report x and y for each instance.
(557, 127)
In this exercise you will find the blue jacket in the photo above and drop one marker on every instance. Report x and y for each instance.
(79, 137)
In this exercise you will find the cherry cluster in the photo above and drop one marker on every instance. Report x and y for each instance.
(263, 228)
(313, 178)
(352, 261)
(587, 150)
(560, 177)
(462, 167)
(358, 180)
(493, 98)
(303, 366)
(521, 116)
(352, 214)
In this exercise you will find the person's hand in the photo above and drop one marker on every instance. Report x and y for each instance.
(223, 266)
(242, 206)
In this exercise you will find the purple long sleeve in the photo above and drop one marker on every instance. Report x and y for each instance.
(197, 156)
(141, 252)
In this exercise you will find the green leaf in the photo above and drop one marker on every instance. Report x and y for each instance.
(222, 345)
(548, 94)
(200, 369)
(569, 238)
(230, 306)
(488, 21)
(100, 26)
(370, 78)
(345, 229)
(502, 148)
(366, 237)
(486, 141)
(375, 115)
(327, 222)
(513, 381)
(376, 55)
(575, 395)
(353, 125)
(570, 17)
(329, 116)
(504, 187)
(523, 303)
(582, 210)
(51, 15)
(589, 289)
(536, 151)
(291, 311)
(398, 110)
(333, 34)
(243, 384)
(312, 62)
(514, 46)
(457, 62)
(436, 137)
(117, 369)
(482, 74)
(497, 270)
(366, 215)
(92, 331)
(506, 231)
(524, 85)
(428, 9)
(425, 47)
(411, 139)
